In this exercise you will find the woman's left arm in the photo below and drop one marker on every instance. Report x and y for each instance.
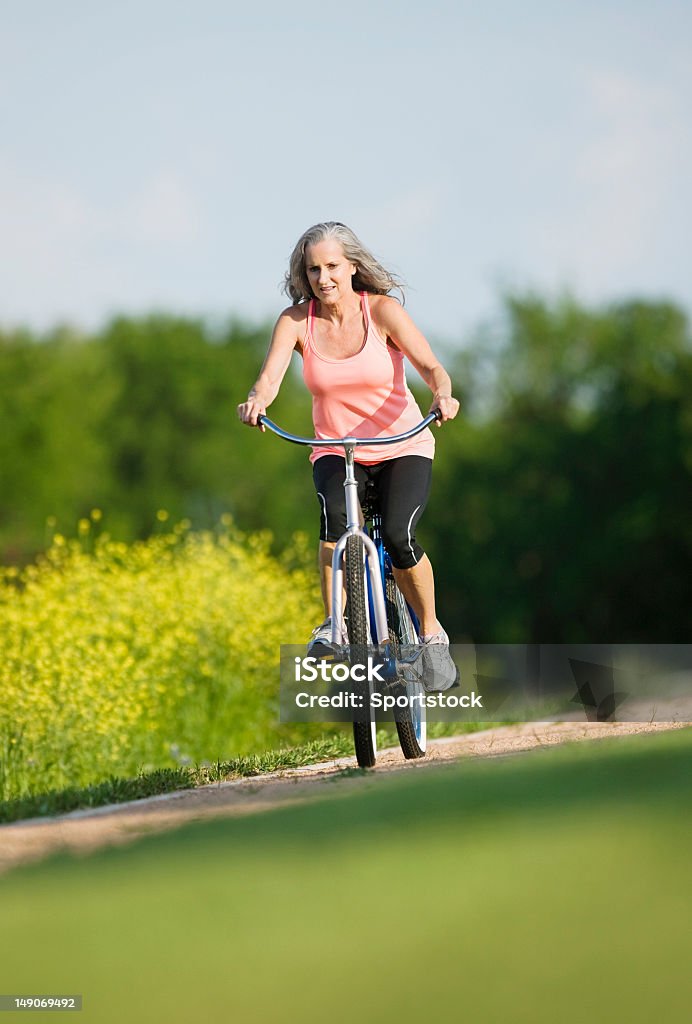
(395, 323)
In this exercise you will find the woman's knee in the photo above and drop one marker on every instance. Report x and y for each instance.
(404, 550)
(332, 517)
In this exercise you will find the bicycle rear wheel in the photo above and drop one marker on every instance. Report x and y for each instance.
(365, 730)
(411, 728)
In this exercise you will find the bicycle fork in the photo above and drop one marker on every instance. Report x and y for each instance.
(353, 528)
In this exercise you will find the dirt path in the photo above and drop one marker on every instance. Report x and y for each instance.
(83, 831)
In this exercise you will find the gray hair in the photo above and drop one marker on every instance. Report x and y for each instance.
(370, 275)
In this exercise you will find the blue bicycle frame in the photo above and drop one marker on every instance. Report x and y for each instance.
(386, 572)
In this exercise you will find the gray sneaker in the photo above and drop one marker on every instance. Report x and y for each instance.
(435, 638)
(321, 641)
(438, 669)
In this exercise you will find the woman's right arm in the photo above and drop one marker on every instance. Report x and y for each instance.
(285, 338)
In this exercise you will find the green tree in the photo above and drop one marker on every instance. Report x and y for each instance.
(561, 514)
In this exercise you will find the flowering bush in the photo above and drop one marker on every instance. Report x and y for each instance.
(117, 657)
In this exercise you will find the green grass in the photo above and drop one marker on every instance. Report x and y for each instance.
(117, 789)
(546, 887)
(167, 780)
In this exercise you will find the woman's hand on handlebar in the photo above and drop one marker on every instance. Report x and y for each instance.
(250, 410)
(446, 407)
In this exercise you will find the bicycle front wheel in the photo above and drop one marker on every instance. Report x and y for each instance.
(364, 730)
(412, 727)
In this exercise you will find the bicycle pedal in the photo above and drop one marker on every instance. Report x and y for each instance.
(409, 654)
(321, 652)
(394, 686)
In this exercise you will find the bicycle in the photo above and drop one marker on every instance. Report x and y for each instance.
(376, 612)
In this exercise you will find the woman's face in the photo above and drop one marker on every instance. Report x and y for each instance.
(329, 272)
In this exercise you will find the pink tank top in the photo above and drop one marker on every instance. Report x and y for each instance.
(364, 395)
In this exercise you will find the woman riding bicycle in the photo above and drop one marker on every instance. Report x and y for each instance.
(353, 338)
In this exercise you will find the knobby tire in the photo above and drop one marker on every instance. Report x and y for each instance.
(359, 638)
(402, 631)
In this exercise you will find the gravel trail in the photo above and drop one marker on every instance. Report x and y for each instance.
(81, 832)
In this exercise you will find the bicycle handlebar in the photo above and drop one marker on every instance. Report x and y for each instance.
(318, 442)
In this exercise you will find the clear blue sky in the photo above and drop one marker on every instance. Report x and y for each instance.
(165, 155)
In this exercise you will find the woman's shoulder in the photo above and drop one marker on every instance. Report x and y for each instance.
(292, 323)
(385, 307)
(386, 312)
(297, 313)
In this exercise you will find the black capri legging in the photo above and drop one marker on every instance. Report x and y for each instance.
(403, 487)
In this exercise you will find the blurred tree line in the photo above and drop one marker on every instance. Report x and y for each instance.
(561, 498)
